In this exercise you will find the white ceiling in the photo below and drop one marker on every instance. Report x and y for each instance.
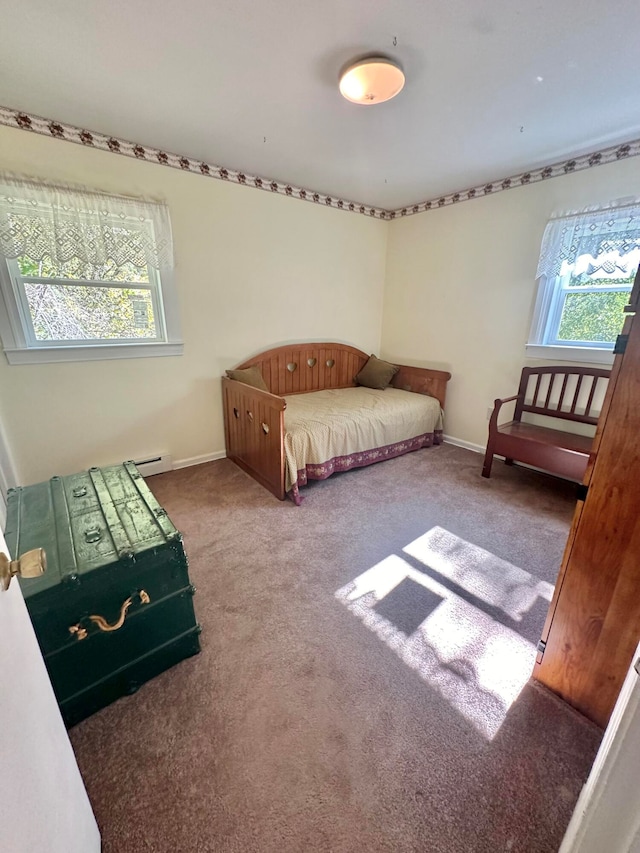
(492, 89)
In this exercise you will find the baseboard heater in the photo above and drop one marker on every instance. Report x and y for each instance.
(154, 465)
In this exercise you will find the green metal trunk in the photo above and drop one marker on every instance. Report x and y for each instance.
(115, 605)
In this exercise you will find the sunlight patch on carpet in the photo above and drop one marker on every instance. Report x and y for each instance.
(477, 663)
(494, 581)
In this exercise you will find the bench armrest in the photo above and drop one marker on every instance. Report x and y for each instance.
(497, 405)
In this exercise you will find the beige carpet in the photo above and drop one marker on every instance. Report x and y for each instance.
(363, 683)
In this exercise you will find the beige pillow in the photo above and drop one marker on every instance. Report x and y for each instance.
(376, 373)
(250, 376)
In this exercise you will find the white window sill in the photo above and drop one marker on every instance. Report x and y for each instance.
(589, 355)
(99, 352)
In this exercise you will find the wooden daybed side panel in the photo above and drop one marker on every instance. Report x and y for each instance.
(422, 380)
(254, 433)
(297, 369)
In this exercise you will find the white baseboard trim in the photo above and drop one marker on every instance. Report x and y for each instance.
(221, 454)
(199, 460)
(468, 445)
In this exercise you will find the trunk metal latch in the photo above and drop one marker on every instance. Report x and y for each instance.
(93, 534)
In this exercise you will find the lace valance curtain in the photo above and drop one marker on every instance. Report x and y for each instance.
(607, 234)
(66, 224)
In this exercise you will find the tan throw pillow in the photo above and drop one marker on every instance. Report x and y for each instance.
(250, 376)
(376, 373)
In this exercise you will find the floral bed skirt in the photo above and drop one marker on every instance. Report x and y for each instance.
(360, 460)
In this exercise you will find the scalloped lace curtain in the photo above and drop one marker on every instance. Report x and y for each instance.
(608, 234)
(62, 224)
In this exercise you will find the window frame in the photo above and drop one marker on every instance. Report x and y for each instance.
(18, 335)
(552, 291)
(561, 291)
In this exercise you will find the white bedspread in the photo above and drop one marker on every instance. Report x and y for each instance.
(323, 425)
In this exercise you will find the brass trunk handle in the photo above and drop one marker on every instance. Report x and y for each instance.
(81, 632)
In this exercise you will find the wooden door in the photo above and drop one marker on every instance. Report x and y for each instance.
(593, 624)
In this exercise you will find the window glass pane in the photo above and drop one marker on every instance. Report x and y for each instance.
(76, 269)
(615, 266)
(74, 312)
(594, 317)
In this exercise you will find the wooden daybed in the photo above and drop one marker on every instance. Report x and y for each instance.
(258, 437)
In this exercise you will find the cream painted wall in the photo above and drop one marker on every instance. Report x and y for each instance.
(460, 286)
(253, 270)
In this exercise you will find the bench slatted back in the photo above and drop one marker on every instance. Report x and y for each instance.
(571, 393)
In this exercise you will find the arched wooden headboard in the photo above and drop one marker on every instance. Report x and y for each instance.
(297, 368)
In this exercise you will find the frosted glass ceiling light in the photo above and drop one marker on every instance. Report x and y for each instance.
(371, 81)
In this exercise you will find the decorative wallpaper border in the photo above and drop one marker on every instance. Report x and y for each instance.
(90, 139)
(543, 173)
(70, 133)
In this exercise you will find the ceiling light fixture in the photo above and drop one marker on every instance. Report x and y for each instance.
(371, 80)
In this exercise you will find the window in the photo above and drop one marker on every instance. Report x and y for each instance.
(84, 275)
(586, 270)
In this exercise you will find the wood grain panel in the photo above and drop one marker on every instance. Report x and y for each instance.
(422, 380)
(634, 297)
(273, 363)
(309, 372)
(257, 452)
(595, 619)
(323, 375)
(606, 405)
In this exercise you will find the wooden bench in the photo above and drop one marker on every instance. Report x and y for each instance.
(563, 393)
